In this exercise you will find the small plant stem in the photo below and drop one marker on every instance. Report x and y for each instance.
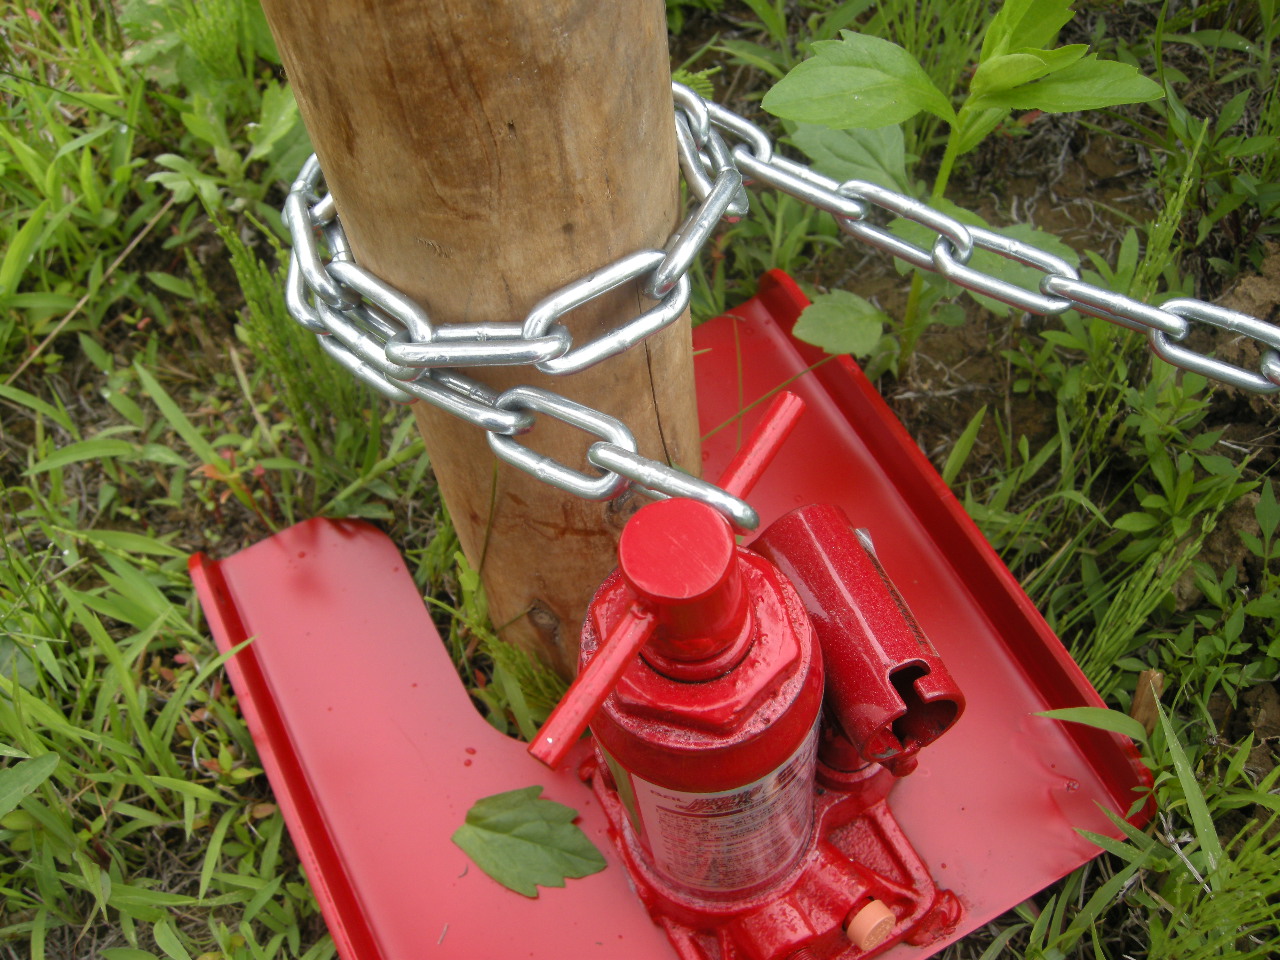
(949, 156)
(912, 325)
(414, 449)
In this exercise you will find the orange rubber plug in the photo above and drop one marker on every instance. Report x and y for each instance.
(869, 927)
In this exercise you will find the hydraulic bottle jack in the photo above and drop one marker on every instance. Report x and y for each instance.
(752, 709)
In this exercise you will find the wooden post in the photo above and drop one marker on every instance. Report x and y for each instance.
(482, 155)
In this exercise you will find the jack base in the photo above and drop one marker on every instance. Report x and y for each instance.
(859, 856)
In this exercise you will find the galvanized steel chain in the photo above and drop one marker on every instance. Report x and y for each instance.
(388, 341)
(1060, 288)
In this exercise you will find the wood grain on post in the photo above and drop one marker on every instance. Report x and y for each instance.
(481, 156)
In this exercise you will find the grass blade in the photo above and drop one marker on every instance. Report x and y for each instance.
(21, 249)
(97, 448)
(167, 940)
(1102, 719)
(32, 402)
(214, 851)
(21, 779)
(964, 446)
(1201, 819)
(178, 420)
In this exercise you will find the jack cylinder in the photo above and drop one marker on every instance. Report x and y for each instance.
(710, 735)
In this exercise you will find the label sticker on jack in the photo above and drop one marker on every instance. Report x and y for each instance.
(735, 839)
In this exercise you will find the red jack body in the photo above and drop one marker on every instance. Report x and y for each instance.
(888, 692)
(711, 734)
(741, 842)
(754, 829)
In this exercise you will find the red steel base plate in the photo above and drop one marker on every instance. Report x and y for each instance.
(375, 753)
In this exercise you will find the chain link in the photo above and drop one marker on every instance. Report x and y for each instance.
(952, 266)
(388, 341)
(607, 428)
(672, 303)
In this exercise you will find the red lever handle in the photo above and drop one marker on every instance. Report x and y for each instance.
(762, 444)
(575, 710)
(678, 559)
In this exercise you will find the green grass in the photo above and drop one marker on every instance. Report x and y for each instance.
(152, 403)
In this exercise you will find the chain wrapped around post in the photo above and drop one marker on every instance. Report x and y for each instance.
(386, 340)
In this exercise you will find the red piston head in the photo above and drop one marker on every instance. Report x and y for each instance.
(679, 556)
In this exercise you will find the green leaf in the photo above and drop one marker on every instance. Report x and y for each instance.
(260, 899)
(185, 180)
(1024, 23)
(136, 895)
(96, 448)
(1087, 84)
(1201, 818)
(37, 405)
(858, 81)
(1023, 66)
(975, 124)
(1222, 39)
(1005, 72)
(21, 248)
(523, 841)
(18, 781)
(1136, 522)
(214, 850)
(96, 354)
(1125, 851)
(167, 940)
(127, 953)
(1267, 605)
(40, 301)
(1102, 719)
(186, 788)
(996, 948)
(206, 122)
(128, 542)
(178, 420)
(278, 118)
(877, 156)
(753, 55)
(772, 19)
(960, 452)
(171, 284)
(1104, 898)
(841, 322)
(1267, 511)
(506, 681)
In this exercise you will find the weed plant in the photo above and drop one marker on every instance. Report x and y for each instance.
(155, 400)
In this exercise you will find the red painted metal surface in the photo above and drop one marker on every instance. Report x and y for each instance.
(708, 746)
(858, 856)
(375, 755)
(759, 449)
(887, 689)
(684, 599)
(716, 730)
